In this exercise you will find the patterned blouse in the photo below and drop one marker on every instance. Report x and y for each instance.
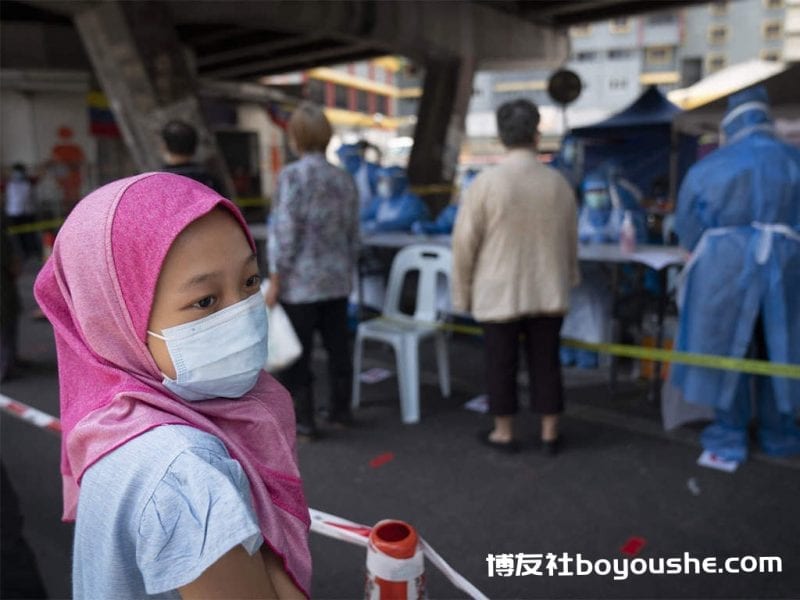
(313, 238)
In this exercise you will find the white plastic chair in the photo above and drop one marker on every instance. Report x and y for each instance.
(403, 332)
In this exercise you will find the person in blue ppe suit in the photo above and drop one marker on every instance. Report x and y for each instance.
(364, 173)
(606, 197)
(443, 224)
(394, 208)
(739, 213)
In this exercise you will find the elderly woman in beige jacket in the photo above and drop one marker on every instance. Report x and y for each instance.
(514, 262)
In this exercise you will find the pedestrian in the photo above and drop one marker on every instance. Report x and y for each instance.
(20, 208)
(313, 249)
(10, 303)
(739, 214)
(179, 147)
(514, 262)
(178, 450)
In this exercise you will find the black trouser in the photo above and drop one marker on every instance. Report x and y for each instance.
(28, 243)
(329, 317)
(541, 340)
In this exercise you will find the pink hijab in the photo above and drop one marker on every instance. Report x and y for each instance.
(97, 289)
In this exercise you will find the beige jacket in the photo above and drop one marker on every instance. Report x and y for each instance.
(515, 242)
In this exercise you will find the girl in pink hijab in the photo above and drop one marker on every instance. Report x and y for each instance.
(178, 450)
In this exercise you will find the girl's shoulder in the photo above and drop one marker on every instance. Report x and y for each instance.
(170, 501)
(134, 470)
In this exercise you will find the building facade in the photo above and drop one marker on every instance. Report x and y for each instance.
(617, 59)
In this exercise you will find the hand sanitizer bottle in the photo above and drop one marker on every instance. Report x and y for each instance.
(627, 234)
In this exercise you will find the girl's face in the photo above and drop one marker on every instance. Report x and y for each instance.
(209, 266)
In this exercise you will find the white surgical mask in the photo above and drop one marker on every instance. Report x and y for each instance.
(218, 356)
(597, 199)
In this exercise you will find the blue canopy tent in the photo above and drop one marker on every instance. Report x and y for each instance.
(638, 140)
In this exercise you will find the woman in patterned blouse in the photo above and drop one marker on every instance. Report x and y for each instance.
(313, 249)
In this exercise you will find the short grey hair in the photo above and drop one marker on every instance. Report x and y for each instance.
(517, 122)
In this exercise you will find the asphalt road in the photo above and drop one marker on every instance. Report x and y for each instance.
(620, 485)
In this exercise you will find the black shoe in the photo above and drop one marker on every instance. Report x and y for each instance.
(511, 447)
(552, 447)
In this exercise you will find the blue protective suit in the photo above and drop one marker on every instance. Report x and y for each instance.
(443, 225)
(606, 197)
(395, 208)
(739, 212)
(365, 174)
(445, 220)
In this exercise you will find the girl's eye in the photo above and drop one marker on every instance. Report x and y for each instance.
(253, 281)
(205, 302)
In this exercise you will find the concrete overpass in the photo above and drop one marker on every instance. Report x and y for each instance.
(149, 56)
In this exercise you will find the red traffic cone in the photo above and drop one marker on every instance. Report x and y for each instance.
(48, 239)
(395, 563)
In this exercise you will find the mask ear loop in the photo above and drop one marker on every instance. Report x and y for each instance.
(155, 335)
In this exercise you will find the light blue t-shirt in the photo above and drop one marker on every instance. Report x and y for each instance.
(157, 512)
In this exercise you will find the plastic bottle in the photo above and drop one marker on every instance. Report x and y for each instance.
(627, 234)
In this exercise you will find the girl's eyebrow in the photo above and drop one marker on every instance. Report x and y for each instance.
(199, 279)
(204, 277)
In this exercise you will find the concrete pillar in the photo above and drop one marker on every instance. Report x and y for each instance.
(440, 128)
(147, 76)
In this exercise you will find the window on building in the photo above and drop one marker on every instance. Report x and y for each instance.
(362, 105)
(340, 97)
(717, 34)
(620, 25)
(617, 83)
(659, 55)
(719, 8)
(772, 30)
(773, 4)
(661, 18)
(384, 105)
(691, 71)
(715, 62)
(619, 54)
(771, 55)
(587, 56)
(580, 30)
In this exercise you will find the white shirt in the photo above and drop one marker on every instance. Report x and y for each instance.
(19, 197)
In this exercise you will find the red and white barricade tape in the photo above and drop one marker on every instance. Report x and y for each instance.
(321, 522)
(356, 533)
(30, 414)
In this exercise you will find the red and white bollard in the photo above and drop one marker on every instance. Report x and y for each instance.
(395, 563)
